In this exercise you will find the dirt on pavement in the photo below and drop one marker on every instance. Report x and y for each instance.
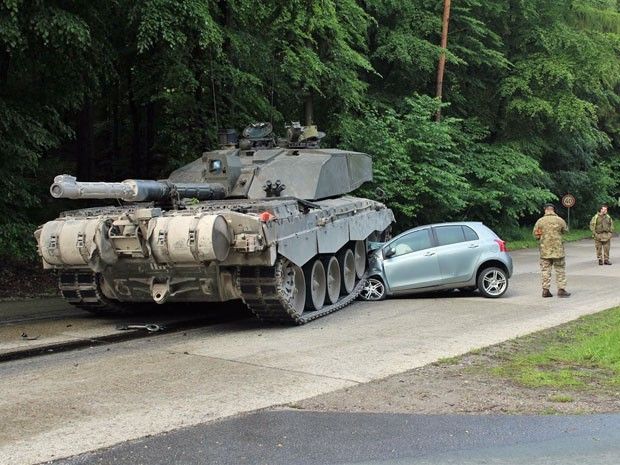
(465, 385)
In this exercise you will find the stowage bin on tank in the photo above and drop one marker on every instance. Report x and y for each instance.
(264, 220)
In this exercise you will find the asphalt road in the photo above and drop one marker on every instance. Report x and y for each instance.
(312, 438)
(66, 404)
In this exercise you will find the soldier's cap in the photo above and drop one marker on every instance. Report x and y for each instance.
(549, 205)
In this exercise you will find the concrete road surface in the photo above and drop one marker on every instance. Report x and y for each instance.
(64, 404)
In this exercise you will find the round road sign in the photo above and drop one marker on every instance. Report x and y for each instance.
(568, 200)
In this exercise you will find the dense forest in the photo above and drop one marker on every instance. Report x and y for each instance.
(134, 88)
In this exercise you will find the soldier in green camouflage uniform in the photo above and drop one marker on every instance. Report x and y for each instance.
(602, 227)
(548, 230)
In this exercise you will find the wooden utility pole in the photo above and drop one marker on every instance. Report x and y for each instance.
(442, 57)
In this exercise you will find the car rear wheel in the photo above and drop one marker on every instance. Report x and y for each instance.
(492, 282)
(373, 289)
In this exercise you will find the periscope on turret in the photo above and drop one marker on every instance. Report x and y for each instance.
(265, 220)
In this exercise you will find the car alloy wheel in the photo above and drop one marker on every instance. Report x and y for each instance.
(492, 282)
(373, 289)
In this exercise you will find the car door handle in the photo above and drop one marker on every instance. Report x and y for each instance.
(473, 246)
(428, 254)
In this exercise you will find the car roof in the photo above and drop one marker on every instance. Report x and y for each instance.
(478, 226)
(452, 223)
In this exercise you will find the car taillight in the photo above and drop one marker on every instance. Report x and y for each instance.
(502, 245)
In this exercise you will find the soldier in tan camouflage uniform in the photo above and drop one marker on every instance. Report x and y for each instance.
(602, 227)
(548, 230)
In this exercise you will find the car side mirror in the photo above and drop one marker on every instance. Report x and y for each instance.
(387, 253)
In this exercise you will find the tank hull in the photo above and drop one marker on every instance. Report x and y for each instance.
(209, 252)
(266, 220)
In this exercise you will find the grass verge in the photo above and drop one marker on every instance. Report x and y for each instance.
(523, 238)
(583, 354)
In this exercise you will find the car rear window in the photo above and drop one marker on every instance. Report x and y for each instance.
(449, 234)
(470, 234)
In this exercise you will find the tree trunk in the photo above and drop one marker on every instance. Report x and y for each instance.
(85, 143)
(136, 135)
(309, 110)
(116, 128)
(199, 96)
(5, 60)
(442, 56)
(150, 138)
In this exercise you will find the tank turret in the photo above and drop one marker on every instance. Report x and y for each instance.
(270, 222)
(258, 166)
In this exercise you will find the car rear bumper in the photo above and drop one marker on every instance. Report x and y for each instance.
(509, 266)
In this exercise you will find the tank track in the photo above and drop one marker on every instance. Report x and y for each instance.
(262, 292)
(81, 289)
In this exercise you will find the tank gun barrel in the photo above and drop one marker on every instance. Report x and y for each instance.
(133, 190)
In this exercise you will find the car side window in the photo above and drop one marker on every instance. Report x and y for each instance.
(418, 240)
(470, 234)
(449, 234)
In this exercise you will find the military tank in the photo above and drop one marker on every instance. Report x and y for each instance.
(262, 219)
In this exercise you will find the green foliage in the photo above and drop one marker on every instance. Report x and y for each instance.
(560, 93)
(415, 160)
(505, 184)
(118, 89)
(44, 50)
(428, 171)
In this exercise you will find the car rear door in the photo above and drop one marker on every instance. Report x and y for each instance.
(458, 252)
(413, 264)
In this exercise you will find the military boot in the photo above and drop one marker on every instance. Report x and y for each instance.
(600, 262)
(563, 293)
(547, 293)
(607, 262)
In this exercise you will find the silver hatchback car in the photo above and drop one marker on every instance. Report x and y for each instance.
(465, 256)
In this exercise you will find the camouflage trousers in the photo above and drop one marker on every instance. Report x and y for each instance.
(602, 249)
(560, 272)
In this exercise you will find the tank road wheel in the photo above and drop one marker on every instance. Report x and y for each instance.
(360, 258)
(286, 293)
(334, 278)
(316, 284)
(346, 260)
(294, 287)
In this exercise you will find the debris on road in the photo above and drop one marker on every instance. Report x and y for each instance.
(151, 327)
